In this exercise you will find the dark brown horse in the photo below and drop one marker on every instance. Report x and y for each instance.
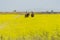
(27, 14)
(32, 14)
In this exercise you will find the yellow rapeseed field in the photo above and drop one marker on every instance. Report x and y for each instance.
(13, 26)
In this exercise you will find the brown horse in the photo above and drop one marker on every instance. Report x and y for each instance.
(27, 14)
(32, 14)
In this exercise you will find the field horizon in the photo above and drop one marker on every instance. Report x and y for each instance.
(42, 26)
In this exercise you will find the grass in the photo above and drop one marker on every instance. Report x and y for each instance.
(39, 27)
